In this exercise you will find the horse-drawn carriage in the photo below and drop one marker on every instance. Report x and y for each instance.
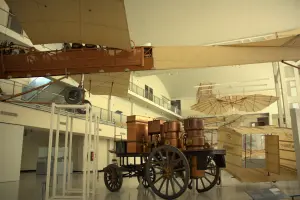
(165, 158)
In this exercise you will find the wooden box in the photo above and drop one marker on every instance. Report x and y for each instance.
(136, 132)
(155, 126)
(137, 118)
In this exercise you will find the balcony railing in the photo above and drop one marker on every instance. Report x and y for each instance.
(158, 101)
(10, 87)
(9, 20)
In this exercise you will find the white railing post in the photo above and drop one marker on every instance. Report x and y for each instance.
(49, 152)
(65, 155)
(54, 184)
(70, 155)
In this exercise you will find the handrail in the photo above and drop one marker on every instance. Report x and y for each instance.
(158, 101)
(119, 119)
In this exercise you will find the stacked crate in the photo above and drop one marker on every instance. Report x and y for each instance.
(137, 132)
(172, 132)
(194, 128)
(155, 130)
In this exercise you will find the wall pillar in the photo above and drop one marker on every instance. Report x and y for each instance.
(11, 143)
(285, 97)
(109, 108)
(295, 118)
(277, 81)
(131, 108)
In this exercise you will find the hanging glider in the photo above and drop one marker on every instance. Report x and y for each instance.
(91, 22)
(94, 60)
(274, 50)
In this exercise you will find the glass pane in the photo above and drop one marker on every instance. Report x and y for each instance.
(289, 72)
(293, 92)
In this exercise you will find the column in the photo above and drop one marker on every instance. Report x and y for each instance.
(11, 143)
(285, 97)
(295, 118)
(278, 93)
(131, 108)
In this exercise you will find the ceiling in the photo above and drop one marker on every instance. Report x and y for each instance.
(233, 79)
(195, 22)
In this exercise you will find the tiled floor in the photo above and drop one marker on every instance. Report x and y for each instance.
(30, 188)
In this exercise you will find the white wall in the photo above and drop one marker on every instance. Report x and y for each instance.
(3, 14)
(35, 139)
(11, 139)
(152, 81)
(39, 119)
(141, 110)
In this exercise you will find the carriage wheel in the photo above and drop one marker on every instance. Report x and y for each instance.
(211, 177)
(171, 169)
(113, 178)
(142, 177)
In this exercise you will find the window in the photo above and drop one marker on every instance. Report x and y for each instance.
(148, 92)
(176, 106)
(289, 72)
(291, 88)
(13, 23)
(294, 105)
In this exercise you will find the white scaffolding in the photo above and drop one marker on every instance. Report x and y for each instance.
(90, 146)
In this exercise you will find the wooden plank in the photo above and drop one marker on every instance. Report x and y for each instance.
(230, 137)
(288, 163)
(234, 159)
(235, 149)
(272, 153)
(259, 175)
(289, 155)
(286, 145)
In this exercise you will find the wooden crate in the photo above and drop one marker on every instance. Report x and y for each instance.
(155, 126)
(137, 118)
(136, 132)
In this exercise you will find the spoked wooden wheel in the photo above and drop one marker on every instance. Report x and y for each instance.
(113, 178)
(142, 177)
(171, 169)
(211, 177)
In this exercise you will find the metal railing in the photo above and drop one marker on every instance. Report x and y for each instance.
(158, 101)
(11, 87)
(9, 20)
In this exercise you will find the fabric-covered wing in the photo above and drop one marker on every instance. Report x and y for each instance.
(254, 103)
(212, 106)
(99, 22)
(115, 84)
(276, 50)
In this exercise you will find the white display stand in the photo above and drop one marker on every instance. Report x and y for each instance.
(87, 190)
(41, 165)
